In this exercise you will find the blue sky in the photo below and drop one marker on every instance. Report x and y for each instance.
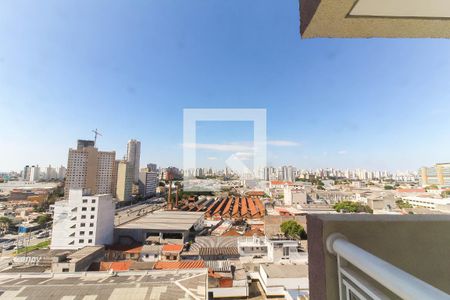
(129, 68)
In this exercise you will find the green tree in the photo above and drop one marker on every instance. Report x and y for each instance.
(292, 229)
(389, 187)
(4, 223)
(403, 204)
(41, 220)
(352, 207)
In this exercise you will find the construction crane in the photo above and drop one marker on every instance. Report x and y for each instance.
(96, 133)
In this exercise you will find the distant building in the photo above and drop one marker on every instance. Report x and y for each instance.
(294, 196)
(85, 144)
(89, 168)
(438, 175)
(152, 167)
(125, 172)
(35, 173)
(133, 157)
(26, 173)
(83, 220)
(51, 173)
(148, 181)
(62, 173)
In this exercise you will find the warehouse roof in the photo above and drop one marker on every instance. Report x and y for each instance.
(164, 220)
(179, 284)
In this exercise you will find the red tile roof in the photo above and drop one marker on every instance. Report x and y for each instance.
(172, 248)
(411, 190)
(231, 232)
(278, 182)
(183, 264)
(115, 265)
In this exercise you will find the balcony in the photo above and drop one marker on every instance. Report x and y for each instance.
(379, 257)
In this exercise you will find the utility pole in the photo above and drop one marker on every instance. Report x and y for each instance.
(96, 133)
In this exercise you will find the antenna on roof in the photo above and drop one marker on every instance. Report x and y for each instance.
(96, 133)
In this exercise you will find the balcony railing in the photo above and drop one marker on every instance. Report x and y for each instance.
(354, 286)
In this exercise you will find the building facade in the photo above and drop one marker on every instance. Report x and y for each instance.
(125, 172)
(133, 157)
(438, 175)
(83, 220)
(148, 182)
(89, 168)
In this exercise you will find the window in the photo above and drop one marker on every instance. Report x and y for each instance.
(65, 270)
(83, 216)
(92, 208)
(81, 232)
(91, 232)
(90, 241)
(92, 216)
(85, 201)
(93, 201)
(91, 225)
(84, 208)
(82, 224)
(80, 241)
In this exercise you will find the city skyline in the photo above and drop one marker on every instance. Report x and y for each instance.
(373, 104)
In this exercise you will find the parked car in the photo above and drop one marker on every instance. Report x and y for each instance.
(42, 235)
(8, 246)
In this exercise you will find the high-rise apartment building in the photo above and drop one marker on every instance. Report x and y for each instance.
(133, 157)
(125, 172)
(26, 173)
(148, 181)
(438, 175)
(152, 167)
(89, 168)
(35, 173)
(83, 220)
(62, 173)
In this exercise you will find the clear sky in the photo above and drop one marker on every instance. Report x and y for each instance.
(129, 68)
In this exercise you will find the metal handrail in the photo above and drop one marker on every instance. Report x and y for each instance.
(394, 279)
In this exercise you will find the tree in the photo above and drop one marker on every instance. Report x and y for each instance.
(388, 187)
(292, 229)
(403, 204)
(352, 207)
(5, 223)
(41, 220)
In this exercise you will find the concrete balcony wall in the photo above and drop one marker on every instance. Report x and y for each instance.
(417, 244)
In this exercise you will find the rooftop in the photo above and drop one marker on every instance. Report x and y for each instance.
(285, 271)
(180, 284)
(164, 220)
(180, 265)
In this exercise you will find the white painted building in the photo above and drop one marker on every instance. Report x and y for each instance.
(429, 203)
(294, 196)
(35, 172)
(83, 220)
(275, 250)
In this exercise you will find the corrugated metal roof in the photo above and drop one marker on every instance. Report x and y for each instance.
(218, 251)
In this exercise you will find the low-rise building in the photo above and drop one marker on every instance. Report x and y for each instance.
(83, 220)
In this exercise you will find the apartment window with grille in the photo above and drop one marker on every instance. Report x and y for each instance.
(80, 241)
(84, 208)
(92, 216)
(81, 232)
(83, 216)
(85, 201)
